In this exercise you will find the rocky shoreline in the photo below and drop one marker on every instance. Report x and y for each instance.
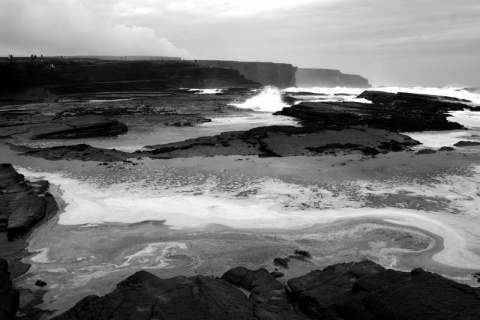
(355, 290)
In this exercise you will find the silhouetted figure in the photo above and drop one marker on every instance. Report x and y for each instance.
(31, 57)
(41, 56)
(35, 57)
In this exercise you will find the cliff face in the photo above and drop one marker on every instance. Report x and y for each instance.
(80, 76)
(329, 78)
(280, 75)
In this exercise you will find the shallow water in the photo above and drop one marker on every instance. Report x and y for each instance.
(206, 215)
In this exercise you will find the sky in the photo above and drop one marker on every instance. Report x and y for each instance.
(390, 42)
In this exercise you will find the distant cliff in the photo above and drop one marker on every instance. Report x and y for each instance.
(281, 75)
(89, 75)
(329, 78)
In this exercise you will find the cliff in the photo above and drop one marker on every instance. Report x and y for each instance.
(329, 78)
(280, 75)
(88, 75)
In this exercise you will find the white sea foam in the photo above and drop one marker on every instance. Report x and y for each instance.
(207, 91)
(467, 118)
(268, 100)
(272, 205)
(453, 92)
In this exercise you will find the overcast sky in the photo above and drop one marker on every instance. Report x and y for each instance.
(390, 42)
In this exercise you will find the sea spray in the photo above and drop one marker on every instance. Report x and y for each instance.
(268, 100)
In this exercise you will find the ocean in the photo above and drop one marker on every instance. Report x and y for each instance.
(205, 215)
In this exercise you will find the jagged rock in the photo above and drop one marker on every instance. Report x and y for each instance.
(319, 292)
(9, 296)
(352, 291)
(467, 143)
(404, 112)
(419, 295)
(144, 296)
(22, 204)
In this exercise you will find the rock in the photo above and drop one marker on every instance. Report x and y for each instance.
(419, 295)
(328, 78)
(22, 205)
(40, 283)
(90, 130)
(90, 75)
(280, 75)
(446, 149)
(75, 152)
(10, 297)
(426, 151)
(399, 112)
(352, 291)
(319, 292)
(277, 274)
(467, 143)
(281, 262)
(144, 296)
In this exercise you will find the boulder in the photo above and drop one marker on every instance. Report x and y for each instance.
(10, 297)
(22, 204)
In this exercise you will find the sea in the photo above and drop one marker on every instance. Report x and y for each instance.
(204, 215)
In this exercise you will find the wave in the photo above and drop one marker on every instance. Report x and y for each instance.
(268, 100)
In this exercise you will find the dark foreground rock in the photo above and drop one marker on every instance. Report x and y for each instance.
(352, 291)
(9, 296)
(22, 204)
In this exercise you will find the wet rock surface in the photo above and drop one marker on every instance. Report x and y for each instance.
(9, 296)
(405, 112)
(357, 290)
(23, 204)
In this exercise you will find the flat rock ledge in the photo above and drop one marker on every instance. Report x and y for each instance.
(357, 290)
(22, 203)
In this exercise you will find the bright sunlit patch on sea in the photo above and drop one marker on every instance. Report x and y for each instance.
(268, 100)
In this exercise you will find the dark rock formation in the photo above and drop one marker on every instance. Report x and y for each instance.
(108, 128)
(467, 143)
(9, 296)
(280, 75)
(351, 291)
(144, 296)
(274, 141)
(76, 152)
(22, 204)
(88, 75)
(329, 78)
(395, 112)
(446, 149)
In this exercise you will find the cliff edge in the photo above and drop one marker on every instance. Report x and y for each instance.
(329, 78)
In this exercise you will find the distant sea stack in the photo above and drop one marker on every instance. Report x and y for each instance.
(281, 75)
(329, 78)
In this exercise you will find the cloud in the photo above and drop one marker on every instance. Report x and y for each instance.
(72, 27)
